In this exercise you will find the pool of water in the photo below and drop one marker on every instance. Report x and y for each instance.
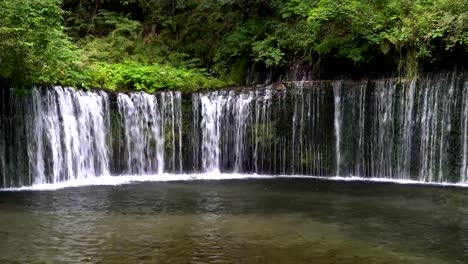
(279, 220)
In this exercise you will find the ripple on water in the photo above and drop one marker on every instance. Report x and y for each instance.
(266, 221)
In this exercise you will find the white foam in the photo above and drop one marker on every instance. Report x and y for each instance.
(381, 180)
(129, 179)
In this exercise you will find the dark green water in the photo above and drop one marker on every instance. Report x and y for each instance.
(236, 221)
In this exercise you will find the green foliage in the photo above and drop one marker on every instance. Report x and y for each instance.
(341, 28)
(36, 51)
(267, 52)
(295, 8)
(410, 30)
(184, 44)
(33, 46)
(239, 71)
(123, 40)
(149, 78)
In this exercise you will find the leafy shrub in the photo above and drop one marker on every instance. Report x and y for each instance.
(149, 78)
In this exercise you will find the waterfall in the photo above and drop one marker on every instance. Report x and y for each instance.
(68, 135)
(381, 128)
(143, 133)
(408, 102)
(239, 131)
(388, 128)
(464, 128)
(360, 99)
(3, 165)
(337, 86)
(212, 107)
(149, 122)
(385, 124)
(241, 107)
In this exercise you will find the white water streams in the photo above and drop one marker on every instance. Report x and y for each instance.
(241, 114)
(149, 123)
(413, 130)
(211, 110)
(408, 105)
(338, 120)
(3, 165)
(68, 139)
(238, 131)
(464, 117)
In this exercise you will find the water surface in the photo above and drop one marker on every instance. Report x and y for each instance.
(236, 221)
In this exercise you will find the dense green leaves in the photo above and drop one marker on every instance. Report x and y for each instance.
(150, 78)
(410, 30)
(128, 44)
(35, 50)
(33, 45)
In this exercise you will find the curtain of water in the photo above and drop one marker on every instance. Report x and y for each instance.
(261, 131)
(152, 137)
(372, 128)
(383, 128)
(338, 121)
(212, 107)
(67, 135)
(464, 117)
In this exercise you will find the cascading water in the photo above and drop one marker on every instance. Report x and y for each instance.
(66, 136)
(337, 86)
(464, 167)
(69, 136)
(211, 110)
(149, 123)
(411, 130)
(143, 135)
(248, 131)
